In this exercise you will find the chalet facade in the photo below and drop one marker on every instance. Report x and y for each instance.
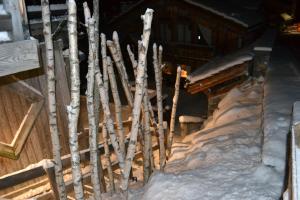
(193, 31)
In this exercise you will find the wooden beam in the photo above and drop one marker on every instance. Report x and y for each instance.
(18, 56)
(26, 126)
(218, 78)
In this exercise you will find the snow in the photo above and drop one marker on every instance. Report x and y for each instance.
(266, 41)
(282, 82)
(53, 7)
(219, 64)
(221, 161)
(4, 36)
(234, 11)
(2, 10)
(190, 119)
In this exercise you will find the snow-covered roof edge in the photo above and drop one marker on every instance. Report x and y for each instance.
(218, 13)
(220, 64)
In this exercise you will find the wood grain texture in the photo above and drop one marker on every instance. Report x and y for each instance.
(18, 56)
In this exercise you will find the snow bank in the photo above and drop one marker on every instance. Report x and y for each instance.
(222, 161)
(282, 84)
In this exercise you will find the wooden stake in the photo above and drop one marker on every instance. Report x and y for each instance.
(108, 120)
(132, 59)
(87, 15)
(157, 68)
(93, 140)
(173, 113)
(73, 108)
(118, 106)
(147, 135)
(52, 101)
(147, 19)
(122, 73)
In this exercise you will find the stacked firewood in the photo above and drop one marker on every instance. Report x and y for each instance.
(99, 84)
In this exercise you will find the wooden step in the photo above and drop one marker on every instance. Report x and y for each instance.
(18, 56)
(5, 20)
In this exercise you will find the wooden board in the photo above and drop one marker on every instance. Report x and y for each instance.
(18, 57)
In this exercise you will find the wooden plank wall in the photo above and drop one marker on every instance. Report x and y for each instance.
(13, 108)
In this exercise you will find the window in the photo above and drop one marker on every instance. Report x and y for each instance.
(204, 35)
(183, 33)
(165, 32)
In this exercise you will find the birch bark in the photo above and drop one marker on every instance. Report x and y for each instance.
(93, 140)
(120, 67)
(96, 98)
(118, 106)
(108, 123)
(132, 59)
(157, 68)
(147, 19)
(173, 113)
(147, 134)
(73, 108)
(52, 101)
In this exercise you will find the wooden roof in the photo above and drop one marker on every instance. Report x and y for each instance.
(223, 76)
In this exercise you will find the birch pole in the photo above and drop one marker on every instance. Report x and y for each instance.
(104, 128)
(52, 101)
(117, 44)
(108, 123)
(132, 59)
(118, 106)
(146, 111)
(174, 108)
(120, 67)
(91, 112)
(134, 66)
(73, 108)
(147, 133)
(157, 68)
(147, 19)
(96, 97)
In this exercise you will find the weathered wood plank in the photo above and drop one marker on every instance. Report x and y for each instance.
(18, 56)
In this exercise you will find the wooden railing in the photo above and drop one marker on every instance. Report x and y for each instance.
(293, 189)
(46, 167)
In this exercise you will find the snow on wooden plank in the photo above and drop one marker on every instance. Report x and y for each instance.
(190, 119)
(219, 64)
(266, 41)
(18, 56)
(53, 7)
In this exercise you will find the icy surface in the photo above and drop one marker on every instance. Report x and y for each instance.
(222, 161)
(282, 84)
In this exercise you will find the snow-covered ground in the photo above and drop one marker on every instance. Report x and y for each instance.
(222, 161)
(281, 91)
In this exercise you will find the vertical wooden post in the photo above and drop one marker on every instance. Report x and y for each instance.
(157, 68)
(73, 108)
(173, 113)
(93, 140)
(52, 104)
(147, 19)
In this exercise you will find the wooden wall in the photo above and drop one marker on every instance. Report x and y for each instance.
(14, 106)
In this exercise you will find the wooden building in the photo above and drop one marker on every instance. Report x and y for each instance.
(193, 31)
